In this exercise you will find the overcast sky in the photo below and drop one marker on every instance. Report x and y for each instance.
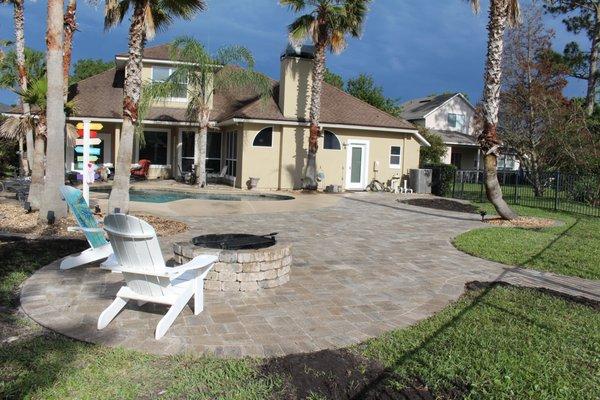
(411, 47)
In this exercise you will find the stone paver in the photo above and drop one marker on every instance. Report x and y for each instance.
(362, 267)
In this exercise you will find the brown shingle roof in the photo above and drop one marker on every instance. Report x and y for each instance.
(159, 52)
(101, 96)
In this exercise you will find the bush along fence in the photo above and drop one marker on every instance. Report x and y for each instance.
(553, 190)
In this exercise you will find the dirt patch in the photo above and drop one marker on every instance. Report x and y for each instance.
(341, 374)
(443, 204)
(14, 219)
(523, 222)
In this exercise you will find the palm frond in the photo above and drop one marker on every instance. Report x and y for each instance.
(185, 9)
(294, 5)
(301, 28)
(337, 42)
(238, 55)
(14, 128)
(514, 12)
(114, 12)
(475, 5)
(151, 17)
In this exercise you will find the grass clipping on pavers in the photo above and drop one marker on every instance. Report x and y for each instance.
(14, 219)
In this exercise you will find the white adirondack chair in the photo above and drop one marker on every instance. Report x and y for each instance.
(147, 278)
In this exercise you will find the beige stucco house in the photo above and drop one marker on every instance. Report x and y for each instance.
(253, 138)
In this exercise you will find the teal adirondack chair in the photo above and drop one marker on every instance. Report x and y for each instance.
(100, 248)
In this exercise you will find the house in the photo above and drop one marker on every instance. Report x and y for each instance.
(251, 137)
(451, 116)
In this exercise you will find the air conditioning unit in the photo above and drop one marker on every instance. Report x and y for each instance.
(420, 180)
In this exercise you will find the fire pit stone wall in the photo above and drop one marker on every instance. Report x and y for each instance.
(242, 270)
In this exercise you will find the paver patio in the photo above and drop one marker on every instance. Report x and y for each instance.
(363, 266)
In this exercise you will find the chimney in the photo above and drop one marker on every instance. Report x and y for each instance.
(295, 81)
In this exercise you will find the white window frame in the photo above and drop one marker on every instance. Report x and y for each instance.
(336, 136)
(399, 165)
(259, 131)
(169, 147)
(462, 128)
(173, 99)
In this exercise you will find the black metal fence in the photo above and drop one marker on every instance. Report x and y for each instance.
(553, 190)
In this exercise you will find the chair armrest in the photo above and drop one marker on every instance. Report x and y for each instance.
(78, 228)
(199, 262)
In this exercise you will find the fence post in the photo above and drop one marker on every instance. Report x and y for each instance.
(516, 188)
(556, 189)
(454, 183)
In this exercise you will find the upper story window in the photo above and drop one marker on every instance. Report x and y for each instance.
(264, 138)
(456, 121)
(395, 156)
(161, 74)
(331, 141)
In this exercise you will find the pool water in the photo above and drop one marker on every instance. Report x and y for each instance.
(163, 196)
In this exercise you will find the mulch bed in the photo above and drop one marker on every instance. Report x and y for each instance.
(14, 219)
(442, 204)
(523, 222)
(341, 374)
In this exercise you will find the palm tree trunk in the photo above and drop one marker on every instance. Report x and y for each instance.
(488, 140)
(590, 100)
(119, 195)
(318, 72)
(37, 169)
(70, 27)
(55, 115)
(200, 147)
(19, 20)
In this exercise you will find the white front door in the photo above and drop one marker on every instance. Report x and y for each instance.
(357, 161)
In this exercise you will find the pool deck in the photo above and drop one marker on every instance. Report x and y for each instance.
(362, 266)
(198, 207)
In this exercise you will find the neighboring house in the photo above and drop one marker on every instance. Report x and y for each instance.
(451, 116)
(253, 138)
(4, 108)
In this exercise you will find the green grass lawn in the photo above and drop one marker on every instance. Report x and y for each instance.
(500, 343)
(496, 343)
(570, 249)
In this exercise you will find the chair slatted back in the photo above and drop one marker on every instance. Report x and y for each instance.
(84, 216)
(137, 249)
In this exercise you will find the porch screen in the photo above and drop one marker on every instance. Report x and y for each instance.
(155, 147)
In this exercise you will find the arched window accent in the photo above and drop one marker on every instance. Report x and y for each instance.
(264, 138)
(331, 141)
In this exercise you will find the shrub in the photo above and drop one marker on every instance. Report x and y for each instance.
(442, 178)
(586, 190)
(433, 154)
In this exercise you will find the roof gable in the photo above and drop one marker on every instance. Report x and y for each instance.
(420, 108)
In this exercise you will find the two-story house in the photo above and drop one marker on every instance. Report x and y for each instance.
(253, 138)
(450, 116)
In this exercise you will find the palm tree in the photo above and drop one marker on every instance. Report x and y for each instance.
(70, 27)
(327, 24)
(19, 22)
(16, 127)
(204, 74)
(148, 16)
(503, 13)
(55, 115)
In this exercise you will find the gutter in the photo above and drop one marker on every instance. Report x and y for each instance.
(414, 132)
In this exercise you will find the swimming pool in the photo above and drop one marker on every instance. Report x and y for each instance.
(164, 196)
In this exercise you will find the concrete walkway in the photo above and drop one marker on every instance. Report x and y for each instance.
(363, 266)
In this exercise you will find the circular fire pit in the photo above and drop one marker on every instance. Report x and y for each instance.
(246, 262)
